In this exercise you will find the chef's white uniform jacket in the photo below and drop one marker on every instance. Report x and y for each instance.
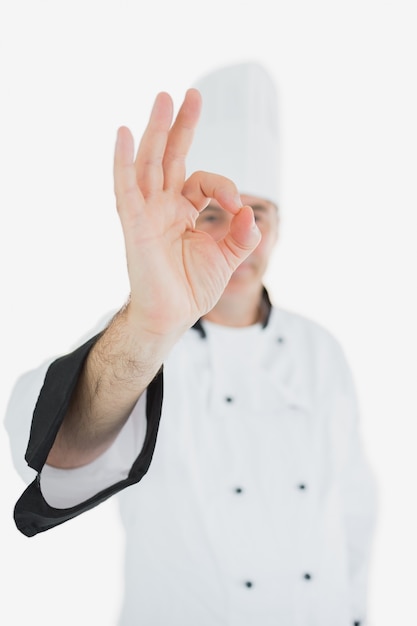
(258, 507)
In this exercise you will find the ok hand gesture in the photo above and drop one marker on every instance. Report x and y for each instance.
(176, 273)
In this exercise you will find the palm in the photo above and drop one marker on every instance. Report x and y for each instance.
(176, 273)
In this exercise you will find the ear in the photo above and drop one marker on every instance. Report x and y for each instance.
(278, 224)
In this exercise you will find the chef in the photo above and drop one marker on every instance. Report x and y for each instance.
(227, 426)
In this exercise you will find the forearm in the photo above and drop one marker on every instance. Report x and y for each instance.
(117, 371)
(176, 273)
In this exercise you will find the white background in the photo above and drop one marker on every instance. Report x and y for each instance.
(71, 73)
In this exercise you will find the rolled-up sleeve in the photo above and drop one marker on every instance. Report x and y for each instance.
(56, 496)
(65, 488)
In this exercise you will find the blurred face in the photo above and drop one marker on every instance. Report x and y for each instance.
(216, 222)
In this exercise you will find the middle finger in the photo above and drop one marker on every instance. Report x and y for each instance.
(150, 154)
(180, 139)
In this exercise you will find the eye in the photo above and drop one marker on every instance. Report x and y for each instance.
(213, 218)
(209, 217)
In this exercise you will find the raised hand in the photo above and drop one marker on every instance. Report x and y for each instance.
(176, 273)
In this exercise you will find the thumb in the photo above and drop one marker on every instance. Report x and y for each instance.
(242, 238)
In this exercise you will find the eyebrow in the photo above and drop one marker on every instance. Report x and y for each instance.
(259, 207)
(255, 207)
(211, 207)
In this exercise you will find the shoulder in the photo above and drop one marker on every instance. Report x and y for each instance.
(295, 324)
(316, 353)
(305, 335)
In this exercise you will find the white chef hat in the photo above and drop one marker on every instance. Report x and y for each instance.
(237, 135)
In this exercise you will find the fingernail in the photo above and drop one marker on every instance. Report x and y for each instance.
(238, 200)
(255, 228)
(254, 225)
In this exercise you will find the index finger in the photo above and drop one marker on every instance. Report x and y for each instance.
(150, 154)
(201, 186)
(179, 140)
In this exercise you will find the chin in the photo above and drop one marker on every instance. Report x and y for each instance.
(242, 277)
